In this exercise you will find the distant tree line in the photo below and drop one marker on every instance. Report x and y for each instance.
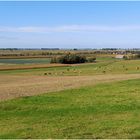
(14, 52)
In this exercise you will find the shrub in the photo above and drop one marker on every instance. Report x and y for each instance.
(55, 60)
(69, 59)
(132, 56)
(72, 59)
(91, 59)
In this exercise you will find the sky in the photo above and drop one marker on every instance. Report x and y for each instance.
(70, 24)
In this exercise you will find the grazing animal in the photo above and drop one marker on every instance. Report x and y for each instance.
(45, 73)
(126, 69)
(104, 71)
(137, 68)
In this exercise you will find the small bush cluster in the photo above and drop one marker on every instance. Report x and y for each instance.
(91, 59)
(72, 59)
(55, 60)
(132, 56)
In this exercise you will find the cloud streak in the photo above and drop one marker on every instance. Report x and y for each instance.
(71, 28)
(8, 37)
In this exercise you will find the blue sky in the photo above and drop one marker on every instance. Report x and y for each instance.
(70, 24)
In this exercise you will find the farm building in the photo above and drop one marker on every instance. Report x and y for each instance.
(119, 56)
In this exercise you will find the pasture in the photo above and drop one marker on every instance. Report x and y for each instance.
(91, 100)
(100, 67)
(17, 86)
(102, 111)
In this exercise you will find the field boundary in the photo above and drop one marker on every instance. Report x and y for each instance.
(33, 67)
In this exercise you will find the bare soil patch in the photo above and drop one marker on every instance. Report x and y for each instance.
(12, 86)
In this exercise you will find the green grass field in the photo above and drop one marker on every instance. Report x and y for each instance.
(108, 110)
(101, 111)
(101, 67)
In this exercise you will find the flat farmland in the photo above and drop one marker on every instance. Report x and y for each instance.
(9, 67)
(91, 100)
(27, 80)
(103, 66)
(109, 110)
(18, 86)
(25, 61)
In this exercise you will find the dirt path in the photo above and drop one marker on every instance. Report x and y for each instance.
(16, 86)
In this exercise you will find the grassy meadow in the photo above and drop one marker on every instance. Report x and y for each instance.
(100, 67)
(101, 111)
(108, 108)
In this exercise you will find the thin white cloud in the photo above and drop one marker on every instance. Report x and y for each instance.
(71, 28)
(8, 37)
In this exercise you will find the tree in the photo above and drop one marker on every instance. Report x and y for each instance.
(69, 59)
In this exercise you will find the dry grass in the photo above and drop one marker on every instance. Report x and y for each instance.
(12, 86)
